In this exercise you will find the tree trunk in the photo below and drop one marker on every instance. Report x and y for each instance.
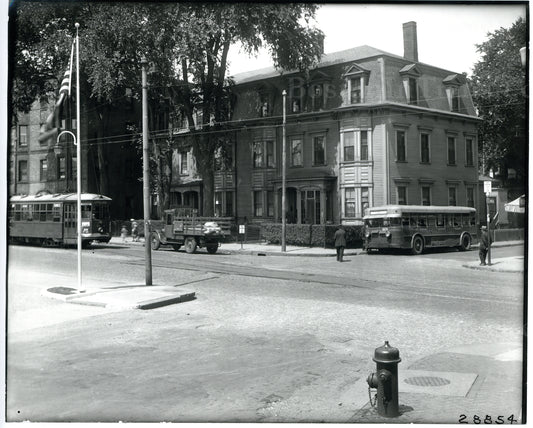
(208, 179)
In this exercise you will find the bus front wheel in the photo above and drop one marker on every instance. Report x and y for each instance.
(418, 245)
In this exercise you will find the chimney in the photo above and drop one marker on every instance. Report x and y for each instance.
(410, 44)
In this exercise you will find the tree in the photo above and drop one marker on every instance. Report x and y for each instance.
(499, 93)
(187, 45)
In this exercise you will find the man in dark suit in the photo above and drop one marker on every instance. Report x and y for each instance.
(340, 242)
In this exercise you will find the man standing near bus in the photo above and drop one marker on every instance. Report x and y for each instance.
(484, 243)
(340, 243)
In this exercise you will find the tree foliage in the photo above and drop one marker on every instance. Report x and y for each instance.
(499, 93)
(186, 45)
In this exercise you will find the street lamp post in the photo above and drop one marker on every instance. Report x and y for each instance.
(78, 205)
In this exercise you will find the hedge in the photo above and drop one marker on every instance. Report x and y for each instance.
(311, 235)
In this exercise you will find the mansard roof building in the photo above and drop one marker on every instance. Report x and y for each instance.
(363, 128)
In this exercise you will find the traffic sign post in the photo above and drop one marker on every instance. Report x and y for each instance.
(242, 232)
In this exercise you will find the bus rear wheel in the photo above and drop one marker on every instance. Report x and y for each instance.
(466, 242)
(418, 245)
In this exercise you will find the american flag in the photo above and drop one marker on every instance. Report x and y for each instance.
(66, 83)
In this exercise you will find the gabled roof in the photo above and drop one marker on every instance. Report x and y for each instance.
(348, 55)
(411, 70)
(454, 79)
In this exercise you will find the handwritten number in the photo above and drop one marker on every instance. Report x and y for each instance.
(512, 419)
(488, 419)
(462, 419)
(500, 420)
(477, 419)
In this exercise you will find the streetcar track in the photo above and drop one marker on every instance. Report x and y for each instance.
(374, 285)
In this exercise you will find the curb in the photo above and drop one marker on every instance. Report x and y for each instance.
(286, 254)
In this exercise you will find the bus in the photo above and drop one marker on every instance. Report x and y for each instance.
(417, 227)
(51, 219)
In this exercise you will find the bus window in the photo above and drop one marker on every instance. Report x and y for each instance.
(413, 220)
(449, 220)
(169, 219)
(395, 221)
(431, 221)
(405, 220)
(422, 221)
(440, 220)
(472, 219)
(457, 220)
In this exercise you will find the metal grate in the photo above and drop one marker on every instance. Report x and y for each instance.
(427, 381)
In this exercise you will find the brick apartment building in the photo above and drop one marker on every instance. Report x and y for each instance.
(51, 166)
(363, 128)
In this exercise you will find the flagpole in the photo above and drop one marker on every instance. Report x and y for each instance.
(78, 152)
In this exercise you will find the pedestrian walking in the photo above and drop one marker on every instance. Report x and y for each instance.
(484, 243)
(123, 233)
(340, 243)
(135, 231)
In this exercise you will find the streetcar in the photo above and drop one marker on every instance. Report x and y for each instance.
(417, 227)
(51, 219)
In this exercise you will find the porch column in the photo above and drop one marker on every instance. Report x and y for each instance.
(322, 206)
(299, 206)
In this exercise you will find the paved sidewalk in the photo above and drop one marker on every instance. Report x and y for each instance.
(469, 384)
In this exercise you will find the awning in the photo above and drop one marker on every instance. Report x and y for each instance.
(517, 206)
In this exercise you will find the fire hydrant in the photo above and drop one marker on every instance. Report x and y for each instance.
(385, 380)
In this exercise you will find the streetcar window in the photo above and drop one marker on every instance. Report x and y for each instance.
(56, 212)
(49, 214)
(86, 211)
(42, 214)
(24, 212)
(18, 213)
(440, 220)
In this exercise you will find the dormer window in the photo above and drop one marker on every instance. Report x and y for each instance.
(452, 83)
(356, 80)
(318, 89)
(410, 75)
(355, 91)
(264, 101)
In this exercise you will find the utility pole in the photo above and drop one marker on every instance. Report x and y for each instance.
(283, 176)
(146, 178)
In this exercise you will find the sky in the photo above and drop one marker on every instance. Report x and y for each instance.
(447, 34)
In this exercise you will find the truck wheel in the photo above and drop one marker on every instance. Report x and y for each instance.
(418, 245)
(155, 242)
(190, 245)
(212, 248)
(176, 247)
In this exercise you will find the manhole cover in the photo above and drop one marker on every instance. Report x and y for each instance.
(427, 381)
